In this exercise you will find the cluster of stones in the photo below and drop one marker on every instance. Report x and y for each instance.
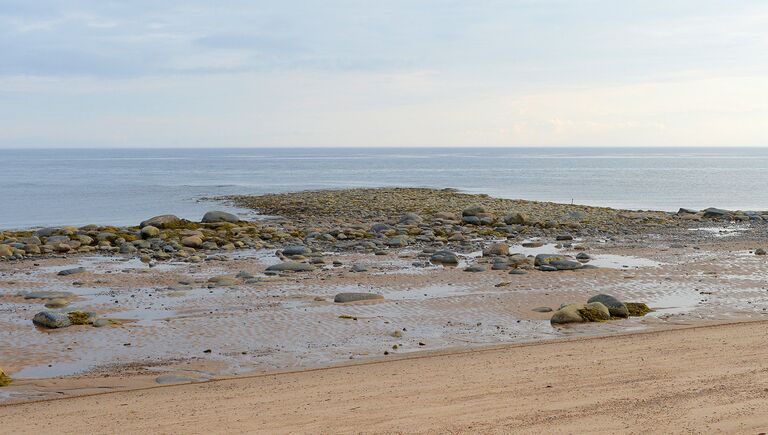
(159, 238)
(713, 213)
(599, 308)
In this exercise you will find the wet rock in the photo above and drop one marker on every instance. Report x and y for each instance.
(6, 251)
(160, 221)
(565, 264)
(563, 237)
(760, 251)
(51, 319)
(547, 268)
(149, 232)
(475, 268)
(4, 379)
(499, 264)
(444, 257)
(716, 213)
(615, 306)
(542, 259)
(290, 266)
(296, 250)
(542, 309)
(583, 257)
(192, 242)
(81, 317)
(355, 297)
(516, 219)
(72, 271)
(473, 210)
(637, 309)
(684, 211)
(581, 313)
(496, 249)
(517, 272)
(220, 216)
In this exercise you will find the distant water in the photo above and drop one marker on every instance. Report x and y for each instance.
(120, 187)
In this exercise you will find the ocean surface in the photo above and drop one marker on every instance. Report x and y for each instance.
(81, 186)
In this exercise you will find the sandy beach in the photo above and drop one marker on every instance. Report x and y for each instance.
(703, 379)
(424, 311)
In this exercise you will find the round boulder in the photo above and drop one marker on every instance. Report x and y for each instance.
(220, 216)
(51, 319)
(615, 306)
(160, 221)
(581, 313)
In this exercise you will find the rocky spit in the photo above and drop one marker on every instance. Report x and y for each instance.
(364, 246)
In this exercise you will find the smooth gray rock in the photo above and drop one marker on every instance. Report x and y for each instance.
(220, 216)
(72, 271)
(615, 306)
(543, 259)
(565, 264)
(291, 266)
(160, 221)
(715, 213)
(296, 250)
(444, 257)
(473, 210)
(355, 297)
(475, 268)
(51, 319)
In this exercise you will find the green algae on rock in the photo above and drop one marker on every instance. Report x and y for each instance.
(4, 379)
(637, 309)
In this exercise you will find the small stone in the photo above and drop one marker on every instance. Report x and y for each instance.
(72, 271)
(342, 298)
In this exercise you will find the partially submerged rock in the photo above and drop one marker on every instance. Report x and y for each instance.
(72, 271)
(355, 297)
(291, 266)
(51, 320)
(220, 216)
(161, 221)
(637, 309)
(581, 313)
(615, 306)
(4, 379)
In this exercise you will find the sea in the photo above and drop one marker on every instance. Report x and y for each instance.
(50, 187)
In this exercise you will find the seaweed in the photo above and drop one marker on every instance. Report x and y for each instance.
(637, 309)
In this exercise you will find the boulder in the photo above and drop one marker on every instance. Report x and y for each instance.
(160, 221)
(220, 216)
(149, 232)
(543, 259)
(581, 313)
(565, 264)
(684, 211)
(473, 210)
(355, 297)
(51, 319)
(496, 249)
(516, 219)
(637, 309)
(5, 251)
(444, 257)
(615, 306)
(410, 219)
(296, 250)
(192, 242)
(4, 379)
(716, 213)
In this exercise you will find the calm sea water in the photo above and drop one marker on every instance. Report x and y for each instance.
(77, 187)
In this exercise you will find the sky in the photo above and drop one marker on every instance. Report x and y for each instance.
(406, 73)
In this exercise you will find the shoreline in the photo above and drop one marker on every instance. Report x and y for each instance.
(269, 303)
(606, 396)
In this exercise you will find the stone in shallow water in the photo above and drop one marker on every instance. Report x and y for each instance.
(615, 306)
(46, 295)
(291, 267)
(160, 221)
(355, 297)
(565, 264)
(581, 313)
(52, 320)
(4, 379)
(444, 257)
(72, 271)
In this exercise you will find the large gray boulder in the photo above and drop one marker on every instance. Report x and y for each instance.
(296, 250)
(565, 264)
(544, 259)
(355, 297)
(444, 257)
(615, 306)
(220, 216)
(160, 221)
(51, 319)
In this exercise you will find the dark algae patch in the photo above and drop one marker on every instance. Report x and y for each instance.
(637, 309)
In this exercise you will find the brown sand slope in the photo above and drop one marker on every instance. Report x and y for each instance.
(702, 379)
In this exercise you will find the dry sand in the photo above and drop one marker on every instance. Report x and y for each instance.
(695, 380)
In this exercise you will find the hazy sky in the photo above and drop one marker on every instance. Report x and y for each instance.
(173, 73)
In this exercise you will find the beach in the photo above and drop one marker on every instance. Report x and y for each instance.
(394, 297)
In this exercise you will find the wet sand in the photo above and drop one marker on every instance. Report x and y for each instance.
(693, 380)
